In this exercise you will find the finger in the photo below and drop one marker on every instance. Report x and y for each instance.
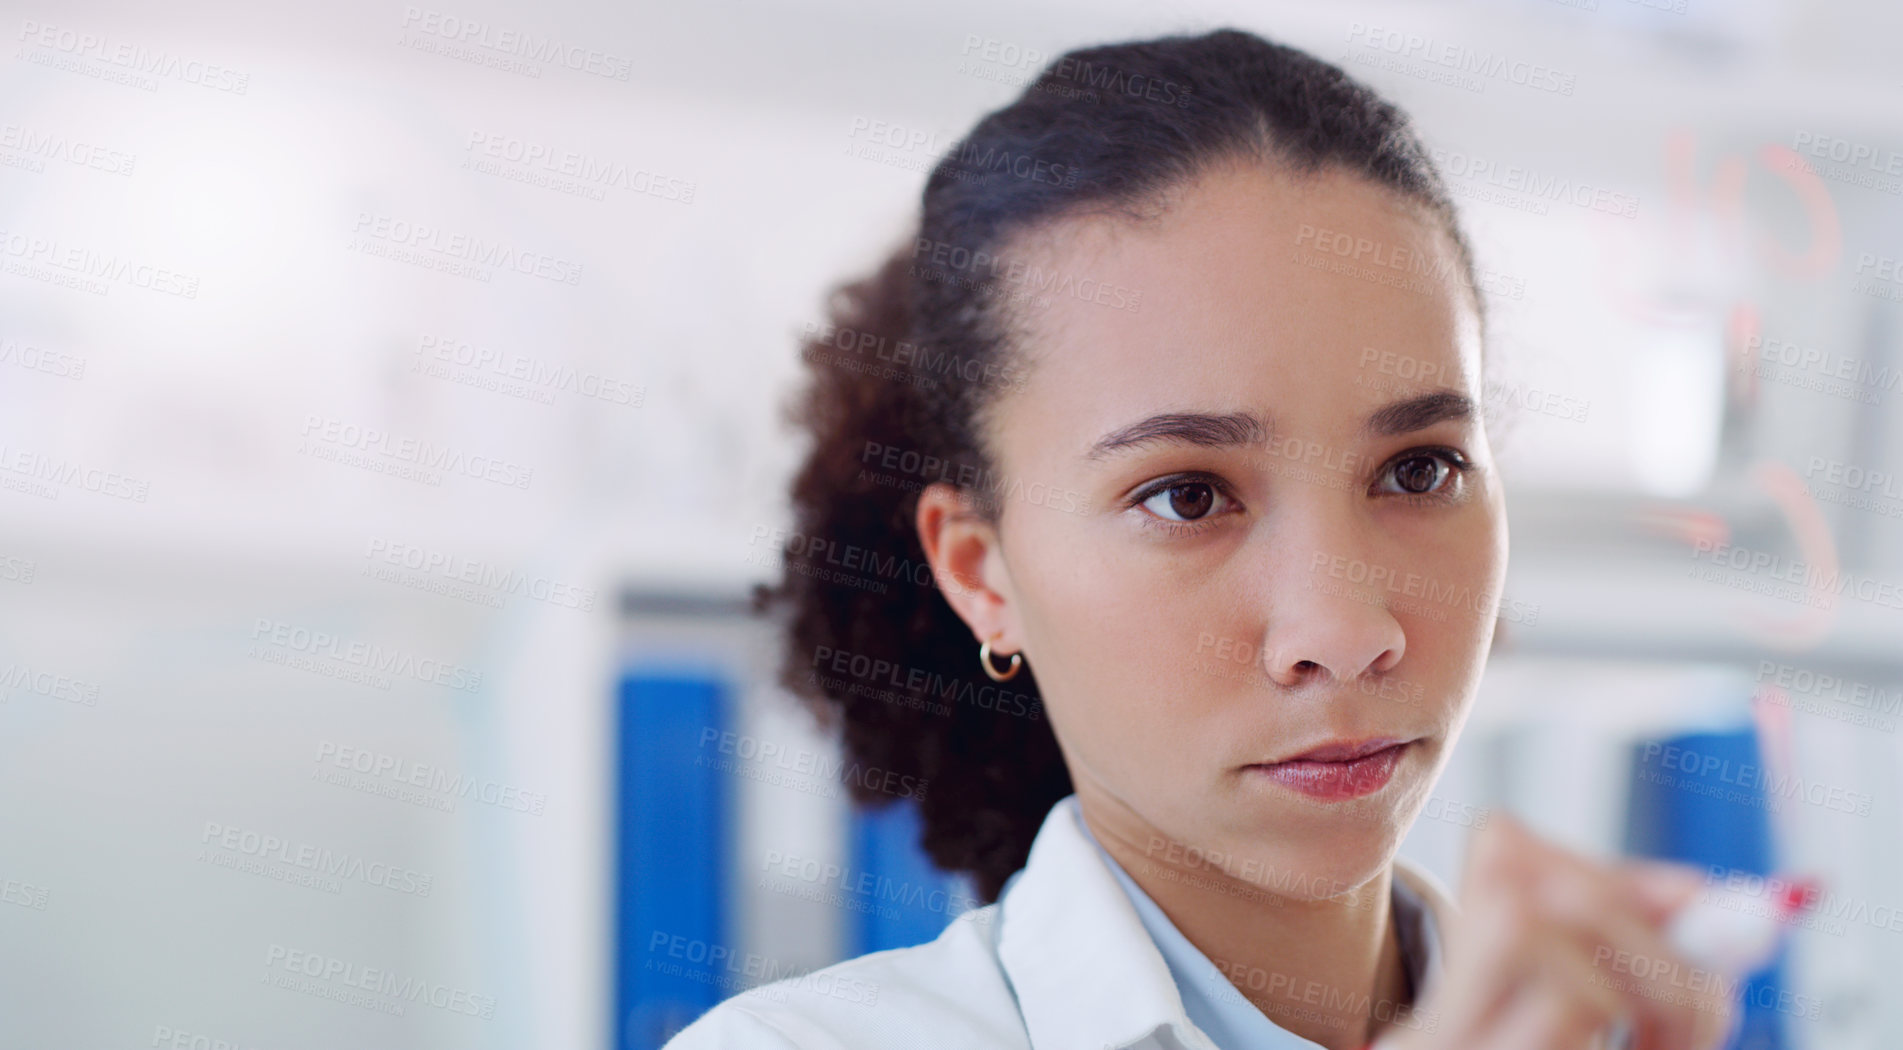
(1665, 993)
(1715, 1026)
(1659, 888)
(1612, 917)
(1495, 933)
(1499, 852)
(1525, 896)
(1548, 991)
(1564, 1006)
(1543, 1022)
(1507, 853)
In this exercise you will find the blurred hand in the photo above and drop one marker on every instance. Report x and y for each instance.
(1551, 951)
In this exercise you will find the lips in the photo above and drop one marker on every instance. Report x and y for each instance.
(1339, 770)
(1345, 751)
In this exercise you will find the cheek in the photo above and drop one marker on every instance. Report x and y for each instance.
(1110, 634)
(1453, 619)
(1107, 613)
(1445, 655)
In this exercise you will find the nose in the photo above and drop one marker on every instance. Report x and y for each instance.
(1322, 624)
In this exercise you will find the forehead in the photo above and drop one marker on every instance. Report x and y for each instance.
(1312, 299)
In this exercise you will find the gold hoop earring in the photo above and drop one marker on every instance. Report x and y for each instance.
(984, 657)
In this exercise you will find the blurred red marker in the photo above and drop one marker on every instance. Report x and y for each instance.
(1728, 932)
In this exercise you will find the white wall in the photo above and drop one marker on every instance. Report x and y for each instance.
(686, 311)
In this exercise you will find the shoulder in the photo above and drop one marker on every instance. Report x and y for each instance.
(947, 992)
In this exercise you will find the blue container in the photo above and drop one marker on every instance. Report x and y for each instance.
(1697, 799)
(672, 932)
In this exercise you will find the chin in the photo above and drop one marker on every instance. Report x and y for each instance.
(1338, 864)
(1308, 850)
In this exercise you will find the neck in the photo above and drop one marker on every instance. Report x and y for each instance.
(1324, 969)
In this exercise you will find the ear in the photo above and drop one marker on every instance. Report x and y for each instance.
(968, 564)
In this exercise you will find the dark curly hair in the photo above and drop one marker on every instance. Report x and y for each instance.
(913, 355)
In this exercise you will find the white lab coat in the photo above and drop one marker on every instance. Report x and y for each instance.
(1062, 960)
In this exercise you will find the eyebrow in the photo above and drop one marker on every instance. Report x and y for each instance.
(1235, 429)
(1188, 428)
(1418, 413)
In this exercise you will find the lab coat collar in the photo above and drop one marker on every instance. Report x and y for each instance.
(1083, 967)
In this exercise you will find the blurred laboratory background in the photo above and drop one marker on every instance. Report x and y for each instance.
(391, 429)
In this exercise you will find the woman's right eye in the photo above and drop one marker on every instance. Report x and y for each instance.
(1185, 501)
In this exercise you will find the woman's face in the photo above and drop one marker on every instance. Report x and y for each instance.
(1252, 519)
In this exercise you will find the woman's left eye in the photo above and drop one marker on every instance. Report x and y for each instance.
(1425, 473)
(1185, 501)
